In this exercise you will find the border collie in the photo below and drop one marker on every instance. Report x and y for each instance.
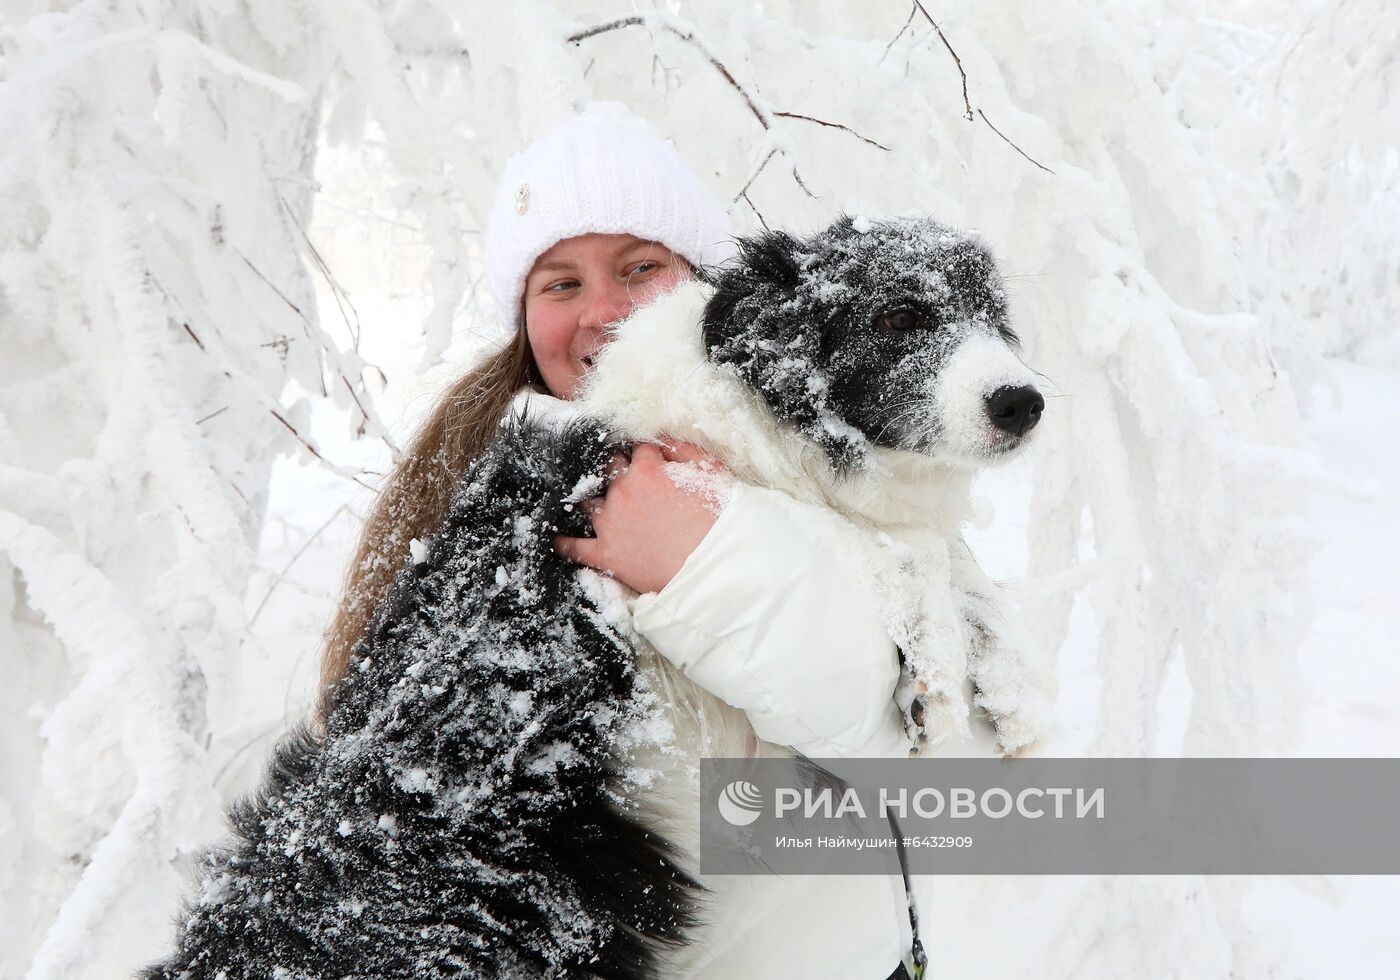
(480, 802)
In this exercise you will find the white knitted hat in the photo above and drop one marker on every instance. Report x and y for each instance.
(602, 170)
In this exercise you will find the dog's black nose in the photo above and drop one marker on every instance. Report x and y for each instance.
(1015, 410)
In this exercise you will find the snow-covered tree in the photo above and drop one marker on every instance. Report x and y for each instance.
(156, 174)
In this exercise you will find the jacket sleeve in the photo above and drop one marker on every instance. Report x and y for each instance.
(766, 615)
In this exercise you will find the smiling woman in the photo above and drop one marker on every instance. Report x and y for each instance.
(729, 583)
(579, 287)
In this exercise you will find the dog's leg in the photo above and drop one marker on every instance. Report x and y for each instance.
(911, 588)
(930, 687)
(1014, 693)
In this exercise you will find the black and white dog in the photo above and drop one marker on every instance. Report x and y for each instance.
(869, 370)
(476, 806)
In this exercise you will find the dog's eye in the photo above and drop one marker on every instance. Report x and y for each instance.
(898, 320)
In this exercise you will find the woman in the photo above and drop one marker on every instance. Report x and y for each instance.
(595, 218)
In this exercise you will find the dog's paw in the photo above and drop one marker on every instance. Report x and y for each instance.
(930, 713)
(547, 468)
(1020, 727)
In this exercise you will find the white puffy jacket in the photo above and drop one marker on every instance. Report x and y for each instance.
(762, 616)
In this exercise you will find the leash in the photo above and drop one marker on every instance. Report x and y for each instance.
(917, 947)
(920, 957)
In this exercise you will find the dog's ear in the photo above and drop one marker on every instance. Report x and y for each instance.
(757, 322)
(766, 268)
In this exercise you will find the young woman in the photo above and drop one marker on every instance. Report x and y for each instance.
(595, 218)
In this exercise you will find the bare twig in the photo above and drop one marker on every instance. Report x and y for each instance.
(823, 122)
(760, 110)
(666, 72)
(1013, 145)
(909, 20)
(803, 184)
(754, 208)
(256, 392)
(305, 323)
(364, 416)
(281, 345)
(244, 748)
(342, 298)
(967, 103)
(744, 191)
(193, 335)
(326, 347)
(343, 471)
(685, 33)
(292, 561)
(211, 415)
(611, 25)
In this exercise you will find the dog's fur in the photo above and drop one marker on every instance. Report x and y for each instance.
(473, 807)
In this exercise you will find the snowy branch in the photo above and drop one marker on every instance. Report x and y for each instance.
(181, 41)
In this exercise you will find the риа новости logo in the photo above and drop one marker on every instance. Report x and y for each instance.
(740, 803)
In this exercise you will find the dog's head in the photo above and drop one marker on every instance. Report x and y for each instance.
(892, 333)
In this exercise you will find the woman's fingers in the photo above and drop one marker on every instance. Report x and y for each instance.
(644, 451)
(679, 451)
(585, 551)
(654, 514)
(616, 466)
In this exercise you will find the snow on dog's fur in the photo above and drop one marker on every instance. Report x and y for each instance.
(505, 786)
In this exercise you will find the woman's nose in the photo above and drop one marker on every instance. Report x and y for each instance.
(608, 303)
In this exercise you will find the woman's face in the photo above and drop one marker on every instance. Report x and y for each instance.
(580, 287)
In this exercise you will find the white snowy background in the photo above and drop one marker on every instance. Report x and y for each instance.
(239, 255)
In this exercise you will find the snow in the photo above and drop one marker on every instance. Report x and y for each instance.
(704, 479)
(1207, 280)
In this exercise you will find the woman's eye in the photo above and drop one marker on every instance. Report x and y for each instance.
(899, 320)
(559, 287)
(642, 268)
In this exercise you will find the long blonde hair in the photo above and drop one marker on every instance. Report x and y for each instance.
(415, 497)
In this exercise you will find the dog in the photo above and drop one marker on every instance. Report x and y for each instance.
(869, 370)
(481, 800)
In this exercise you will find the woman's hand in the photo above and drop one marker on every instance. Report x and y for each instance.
(658, 507)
